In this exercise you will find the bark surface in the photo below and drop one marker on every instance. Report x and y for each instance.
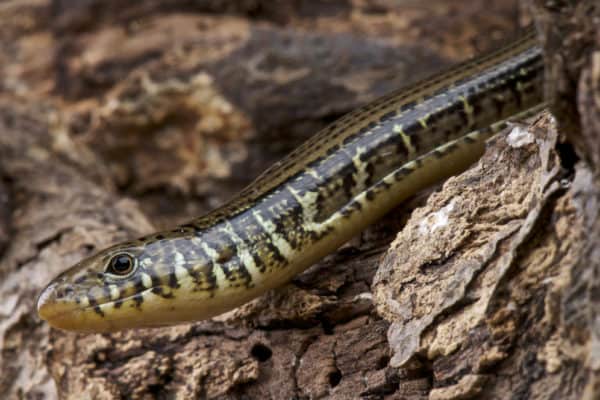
(117, 119)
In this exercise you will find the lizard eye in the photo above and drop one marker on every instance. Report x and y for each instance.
(121, 265)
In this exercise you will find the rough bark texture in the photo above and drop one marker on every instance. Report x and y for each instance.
(117, 118)
(572, 30)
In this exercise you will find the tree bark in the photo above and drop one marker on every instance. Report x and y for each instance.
(117, 119)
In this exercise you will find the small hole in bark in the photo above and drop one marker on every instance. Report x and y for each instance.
(327, 328)
(383, 362)
(568, 156)
(88, 248)
(261, 352)
(335, 377)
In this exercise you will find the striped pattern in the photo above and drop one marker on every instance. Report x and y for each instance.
(306, 205)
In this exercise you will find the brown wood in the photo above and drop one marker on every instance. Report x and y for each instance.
(117, 118)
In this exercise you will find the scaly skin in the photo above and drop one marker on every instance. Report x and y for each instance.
(303, 207)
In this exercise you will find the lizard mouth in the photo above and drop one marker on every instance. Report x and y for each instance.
(58, 313)
(70, 316)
